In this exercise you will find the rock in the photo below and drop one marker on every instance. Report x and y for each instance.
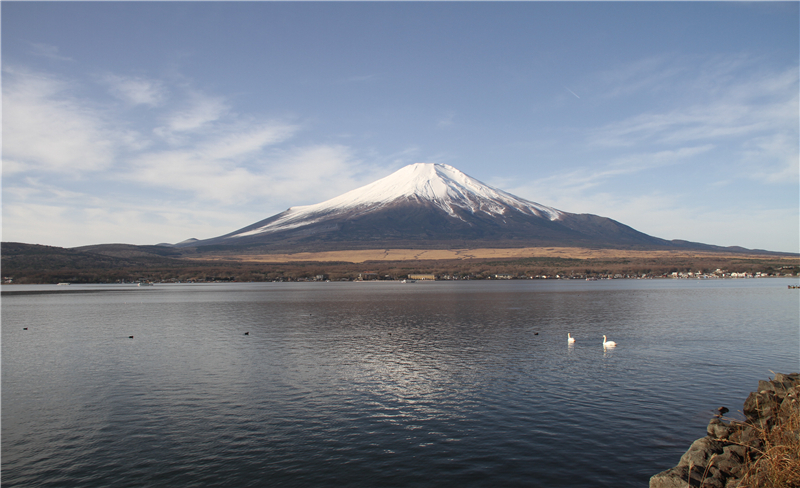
(700, 452)
(730, 461)
(681, 477)
(718, 429)
(760, 404)
(765, 386)
(747, 437)
(750, 408)
(672, 478)
(738, 450)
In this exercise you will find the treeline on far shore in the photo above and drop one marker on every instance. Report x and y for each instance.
(184, 270)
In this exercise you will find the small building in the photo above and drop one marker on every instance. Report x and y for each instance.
(419, 277)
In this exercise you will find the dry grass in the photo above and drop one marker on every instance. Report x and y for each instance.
(778, 464)
(360, 256)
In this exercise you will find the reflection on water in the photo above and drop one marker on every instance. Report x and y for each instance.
(377, 384)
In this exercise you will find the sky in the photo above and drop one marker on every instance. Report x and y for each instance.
(153, 122)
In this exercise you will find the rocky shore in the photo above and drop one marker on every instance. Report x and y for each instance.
(745, 453)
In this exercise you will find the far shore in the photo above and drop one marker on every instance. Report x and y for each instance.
(29, 264)
(361, 256)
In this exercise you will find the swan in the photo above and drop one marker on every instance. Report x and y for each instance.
(607, 343)
(570, 339)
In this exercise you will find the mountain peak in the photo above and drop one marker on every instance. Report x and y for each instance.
(440, 185)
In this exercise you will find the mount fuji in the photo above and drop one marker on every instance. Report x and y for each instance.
(433, 206)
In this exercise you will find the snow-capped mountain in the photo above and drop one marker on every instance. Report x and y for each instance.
(429, 205)
(436, 184)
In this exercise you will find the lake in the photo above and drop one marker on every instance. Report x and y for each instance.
(379, 383)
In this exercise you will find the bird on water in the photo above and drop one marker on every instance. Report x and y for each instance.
(607, 343)
(570, 339)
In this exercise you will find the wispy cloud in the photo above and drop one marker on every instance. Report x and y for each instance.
(652, 75)
(46, 126)
(446, 120)
(579, 181)
(48, 51)
(723, 103)
(197, 111)
(241, 141)
(136, 90)
(752, 114)
(772, 159)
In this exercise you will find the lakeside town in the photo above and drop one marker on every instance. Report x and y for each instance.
(783, 272)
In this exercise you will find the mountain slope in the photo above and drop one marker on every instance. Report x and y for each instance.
(430, 206)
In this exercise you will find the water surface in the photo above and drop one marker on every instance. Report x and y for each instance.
(378, 384)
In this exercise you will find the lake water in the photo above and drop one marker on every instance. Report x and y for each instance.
(378, 384)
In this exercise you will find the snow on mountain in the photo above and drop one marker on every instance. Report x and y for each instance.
(439, 184)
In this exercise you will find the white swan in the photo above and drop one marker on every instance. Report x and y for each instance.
(607, 343)
(570, 339)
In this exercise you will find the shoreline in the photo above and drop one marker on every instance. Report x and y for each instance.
(749, 453)
(30, 264)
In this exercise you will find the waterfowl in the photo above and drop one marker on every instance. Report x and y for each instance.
(607, 343)
(246, 333)
(570, 339)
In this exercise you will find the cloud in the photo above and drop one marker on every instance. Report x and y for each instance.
(47, 51)
(45, 126)
(753, 104)
(581, 180)
(189, 171)
(318, 172)
(198, 111)
(212, 172)
(220, 169)
(772, 159)
(446, 120)
(126, 222)
(136, 90)
(246, 140)
(743, 118)
(11, 167)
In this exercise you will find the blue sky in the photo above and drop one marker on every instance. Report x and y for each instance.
(155, 122)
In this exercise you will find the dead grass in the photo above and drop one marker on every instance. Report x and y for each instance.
(778, 462)
(360, 256)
